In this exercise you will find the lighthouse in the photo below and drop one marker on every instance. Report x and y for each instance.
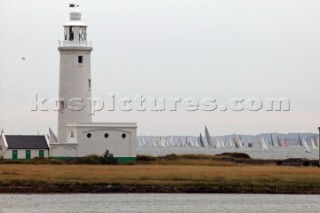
(75, 75)
(78, 136)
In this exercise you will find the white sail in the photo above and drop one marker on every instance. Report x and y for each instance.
(273, 141)
(240, 142)
(167, 141)
(262, 143)
(250, 144)
(316, 139)
(195, 143)
(200, 140)
(305, 145)
(223, 143)
(313, 145)
(52, 136)
(188, 141)
(163, 142)
(265, 144)
(279, 141)
(230, 143)
(218, 145)
(139, 141)
(143, 141)
(153, 142)
(208, 137)
(237, 141)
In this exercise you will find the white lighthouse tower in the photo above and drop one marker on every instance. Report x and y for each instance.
(75, 75)
(78, 136)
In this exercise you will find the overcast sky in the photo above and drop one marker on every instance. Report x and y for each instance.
(169, 48)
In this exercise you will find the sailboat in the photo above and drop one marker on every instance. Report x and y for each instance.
(139, 141)
(200, 140)
(250, 144)
(237, 141)
(143, 141)
(284, 142)
(52, 136)
(279, 141)
(189, 141)
(265, 144)
(273, 141)
(195, 143)
(221, 142)
(262, 143)
(313, 145)
(304, 144)
(218, 145)
(173, 141)
(208, 137)
(153, 142)
(316, 140)
(241, 140)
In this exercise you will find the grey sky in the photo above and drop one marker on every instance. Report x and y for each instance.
(169, 48)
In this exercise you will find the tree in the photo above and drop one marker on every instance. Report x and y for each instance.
(108, 158)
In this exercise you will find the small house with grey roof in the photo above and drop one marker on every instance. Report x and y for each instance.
(24, 147)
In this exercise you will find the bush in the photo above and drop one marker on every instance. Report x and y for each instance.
(107, 158)
(234, 155)
(90, 159)
(146, 158)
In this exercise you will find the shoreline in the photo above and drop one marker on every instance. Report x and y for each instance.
(145, 189)
(224, 174)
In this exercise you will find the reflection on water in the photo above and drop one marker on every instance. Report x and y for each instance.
(255, 152)
(159, 203)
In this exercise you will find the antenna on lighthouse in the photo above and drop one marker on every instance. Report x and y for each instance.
(73, 5)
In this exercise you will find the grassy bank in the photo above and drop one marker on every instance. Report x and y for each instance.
(166, 174)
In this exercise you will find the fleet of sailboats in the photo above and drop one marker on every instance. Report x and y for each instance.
(222, 143)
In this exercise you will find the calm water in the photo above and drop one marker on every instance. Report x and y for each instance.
(255, 152)
(159, 203)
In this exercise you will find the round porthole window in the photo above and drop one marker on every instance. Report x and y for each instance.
(124, 136)
(89, 135)
(106, 135)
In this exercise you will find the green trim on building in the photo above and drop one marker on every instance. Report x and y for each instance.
(28, 154)
(65, 158)
(14, 154)
(126, 159)
(41, 153)
(119, 159)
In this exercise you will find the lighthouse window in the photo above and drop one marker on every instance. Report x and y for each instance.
(72, 134)
(89, 135)
(106, 135)
(82, 34)
(65, 34)
(89, 83)
(71, 34)
(124, 136)
(80, 59)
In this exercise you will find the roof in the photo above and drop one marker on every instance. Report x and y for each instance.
(99, 124)
(26, 142)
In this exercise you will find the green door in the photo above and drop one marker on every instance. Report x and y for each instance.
(41, 153)
(28, 154)
(15, 154)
